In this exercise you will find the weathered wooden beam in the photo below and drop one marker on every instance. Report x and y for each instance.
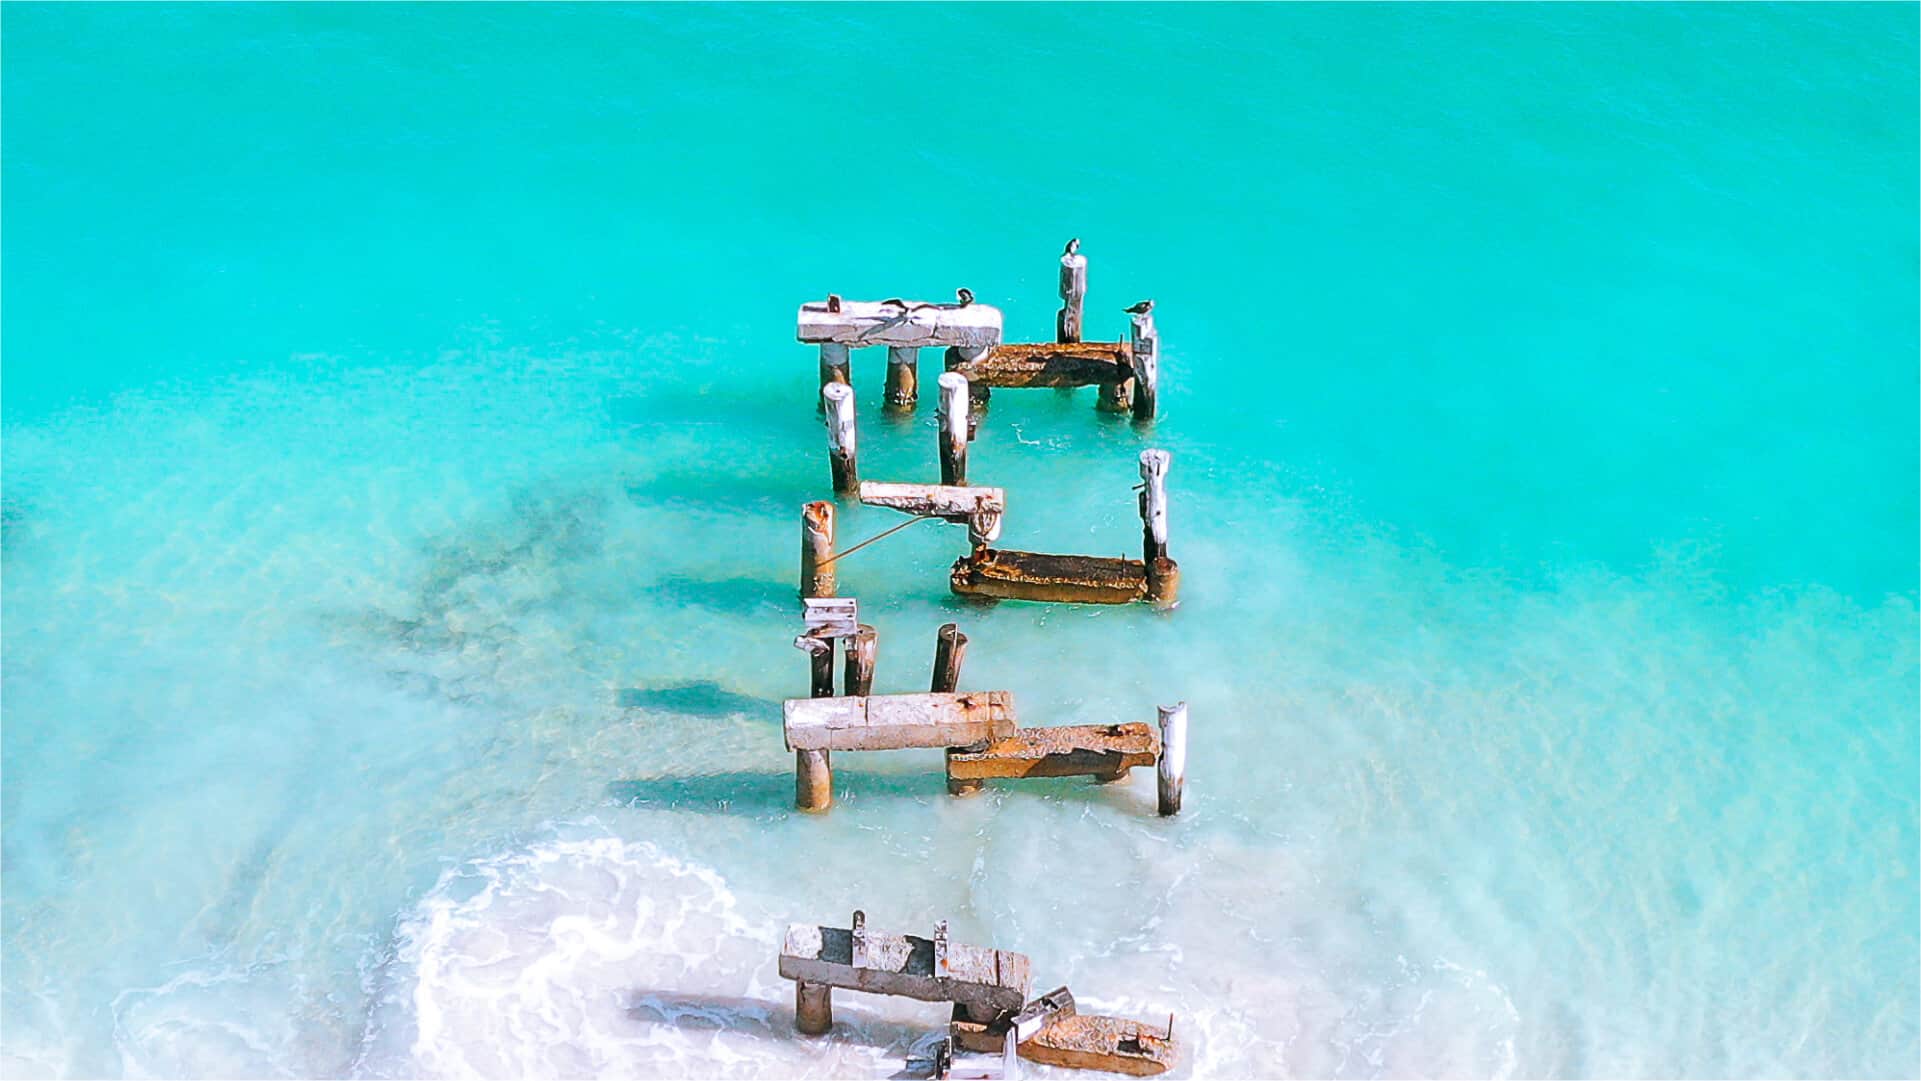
(1051, 364)
(838, 405)
(1039, 576)
(984, 1037)
(1090, 1041)
(1171, 770)
(952, 502)
(898, 322)
(887, 722)
(1163, 574)
(985, 982)
(830, 617)
(1106, 751)
(1067, 323)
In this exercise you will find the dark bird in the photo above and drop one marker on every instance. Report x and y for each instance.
(966, 296)
(833, 302)
(1142, 308)
(1073, 247)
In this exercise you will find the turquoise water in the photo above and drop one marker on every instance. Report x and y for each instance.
(404, 433)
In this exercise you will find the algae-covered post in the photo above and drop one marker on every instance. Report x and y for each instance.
(1145, 342)
(1171, 775)
(1163, 574)
(953, 428)
(838, 399)
(1067, 325)
(903, 377)
(817, 550)
(861, 648)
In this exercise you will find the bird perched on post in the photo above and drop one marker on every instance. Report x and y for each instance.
(1073, 247)
(966, 296)
(1142, 308)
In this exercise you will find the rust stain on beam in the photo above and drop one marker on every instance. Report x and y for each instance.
(1039, 576)
(1048, 364)
(1100, 750)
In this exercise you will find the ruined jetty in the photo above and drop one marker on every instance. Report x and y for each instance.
(1127, 373)
(987, 987)
(979, 730)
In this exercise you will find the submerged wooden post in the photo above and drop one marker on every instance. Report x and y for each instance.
(861, 649)
(1171, 771)
(953, 428)
(1163, 574)
(950, 648)
(838, 400)
(813, 769)
(813, 1007)
(1067, 324)
(903, 377)
(960, 359)
(817, 550)
(1146, 344)
(834, 363)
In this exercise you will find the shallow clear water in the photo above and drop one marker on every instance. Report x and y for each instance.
(404, 437)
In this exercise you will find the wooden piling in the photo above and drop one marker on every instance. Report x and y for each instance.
(813, 1007)
(1171, 771)
(903, 378)
(861, 649)
(1163, 574)
(950, 648)
(834, 363)
(813, 767)
(953, 428)
(1145, 341)
(817, 550)
(1067, 323)
(963, 359)
(838, 403)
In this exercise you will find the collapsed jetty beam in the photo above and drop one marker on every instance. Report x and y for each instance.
(1048, 364)
(838, 325)
(889, 722)
(980, 509)
(1102, 751)
(1052, 1031)
(1039, 576)
(984, 983)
